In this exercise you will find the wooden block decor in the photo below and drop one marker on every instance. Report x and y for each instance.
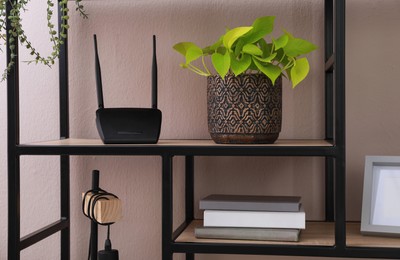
(106, 210)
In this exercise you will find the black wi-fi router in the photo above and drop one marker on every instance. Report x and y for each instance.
(128, 125)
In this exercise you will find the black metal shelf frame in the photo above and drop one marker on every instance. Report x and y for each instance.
(334, 12)
(126, 150)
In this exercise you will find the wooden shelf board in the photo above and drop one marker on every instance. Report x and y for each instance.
(315, 234)
(356, 239)
(176, 143)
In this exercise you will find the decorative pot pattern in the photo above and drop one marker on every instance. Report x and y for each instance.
(244, 109)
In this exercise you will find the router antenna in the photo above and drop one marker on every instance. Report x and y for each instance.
(154, 76)
(99, 85)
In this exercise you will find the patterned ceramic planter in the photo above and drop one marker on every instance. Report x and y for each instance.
(244, 109)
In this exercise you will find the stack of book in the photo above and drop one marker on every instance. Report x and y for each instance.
(275, 218)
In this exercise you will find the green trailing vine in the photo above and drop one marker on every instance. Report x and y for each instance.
(16, 31)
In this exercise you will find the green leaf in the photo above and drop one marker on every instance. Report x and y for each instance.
(207, 50)
(279, 55)
(288, 34)
(297, 46)
(261, 27)
(299, 71)
(182, 47)
(272, 71)
(221, 50)
(252, 49)
(221, 63)
(217, 43)
(193, 53)
(253, 66)
(212, 48)
(281, 41)
(239, 47)
(267, 59)
(264, 47)
(232, 35)
(241, 65)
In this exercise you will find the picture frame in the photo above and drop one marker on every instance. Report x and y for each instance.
(381, 195)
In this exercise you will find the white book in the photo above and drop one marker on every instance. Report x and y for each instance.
(256, 219)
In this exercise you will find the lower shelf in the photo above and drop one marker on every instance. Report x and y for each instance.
(356, 239)
(315, 234)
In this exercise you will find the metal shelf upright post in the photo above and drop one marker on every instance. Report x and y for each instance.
(15, 243)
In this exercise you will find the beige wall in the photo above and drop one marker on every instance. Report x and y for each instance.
(124, 30)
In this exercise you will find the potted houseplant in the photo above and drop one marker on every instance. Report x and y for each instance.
(16, 31)
(245, 94)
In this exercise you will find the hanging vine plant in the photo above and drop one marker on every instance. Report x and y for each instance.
(16, 31)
